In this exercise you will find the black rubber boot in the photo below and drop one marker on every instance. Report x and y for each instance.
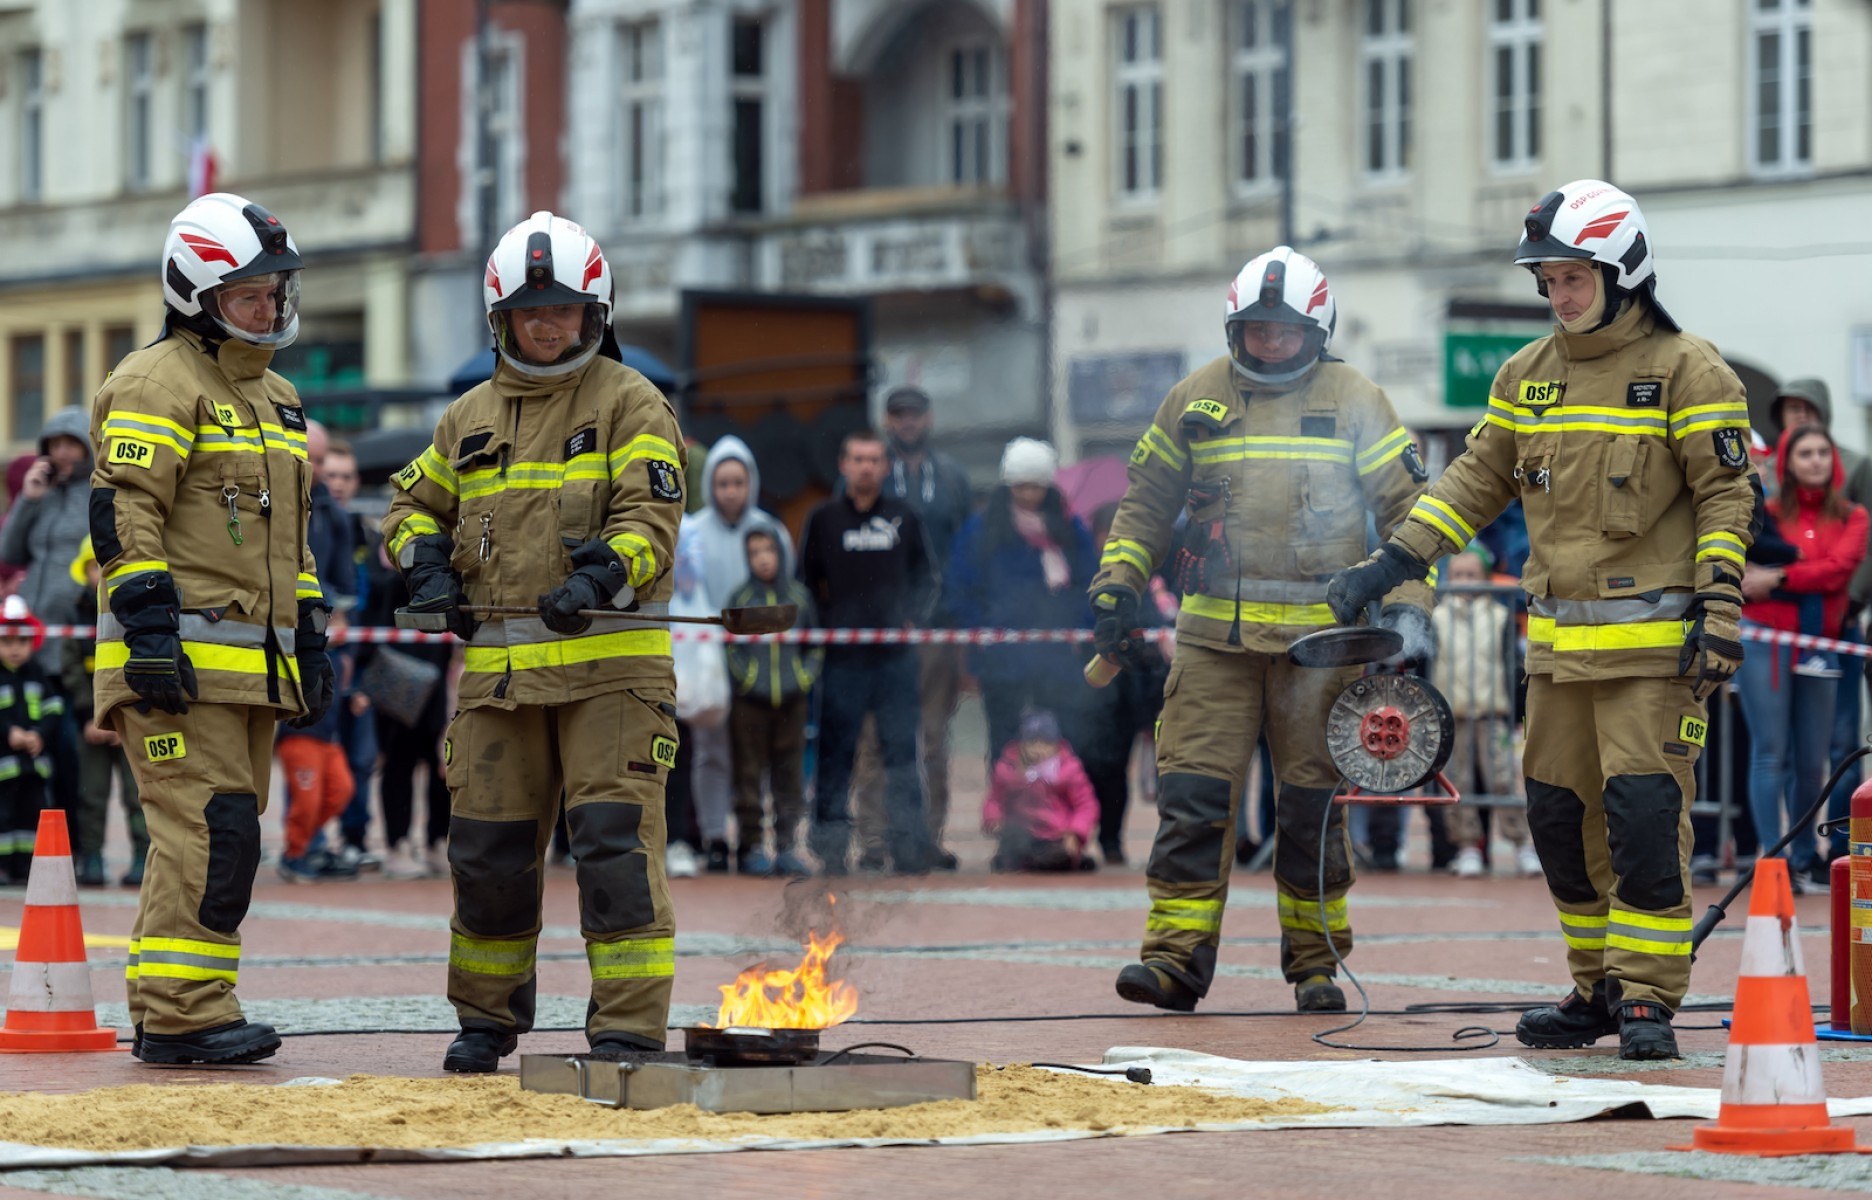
(1151, 985)
(235, 1042)
(620, 1048)
(1644, 1031)
(1568, 1025)
(1318, 993)
(478, 1051)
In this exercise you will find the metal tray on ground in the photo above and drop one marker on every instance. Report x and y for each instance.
(854, 1081)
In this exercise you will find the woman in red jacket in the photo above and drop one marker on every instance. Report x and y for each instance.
(1787, 694)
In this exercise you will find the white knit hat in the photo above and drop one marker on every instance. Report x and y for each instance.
(1028, 460)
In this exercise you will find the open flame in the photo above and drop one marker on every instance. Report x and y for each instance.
(802, 998)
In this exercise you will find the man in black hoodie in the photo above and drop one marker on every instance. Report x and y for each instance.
(866, 560)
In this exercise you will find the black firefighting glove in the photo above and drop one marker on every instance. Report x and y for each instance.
(318, 683)
(149, 609)
(435, 589)
(1712, 649)
(1413, 625)
(1350, 591)
(599, 575)
(1117, 633)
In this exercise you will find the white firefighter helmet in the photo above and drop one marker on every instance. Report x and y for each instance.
(222, 239)
(544, 261)
(1282, 287)
(1591, 221)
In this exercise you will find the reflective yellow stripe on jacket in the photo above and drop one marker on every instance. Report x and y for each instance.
(1575, 626)
(1257, 612)
(1244, 449)
(206, 656)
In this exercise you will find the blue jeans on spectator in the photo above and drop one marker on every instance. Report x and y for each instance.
(883, 682)
(1790, 722)
(359, 737)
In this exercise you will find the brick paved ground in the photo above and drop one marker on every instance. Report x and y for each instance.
(369, 955)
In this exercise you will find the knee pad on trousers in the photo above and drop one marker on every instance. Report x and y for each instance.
(1642, 815)
(1194, 811)
(613, 883)
(496, 875)
(1555, 816)
(233, 820)
(1298, 813)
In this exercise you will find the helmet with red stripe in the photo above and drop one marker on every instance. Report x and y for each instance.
(1280, 317)
(221, 240)
(544, 262)
(1591, 221)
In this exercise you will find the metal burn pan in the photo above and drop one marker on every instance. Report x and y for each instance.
(853, 1081)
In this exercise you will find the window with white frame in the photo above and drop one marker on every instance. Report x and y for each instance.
(139, 82)
(1137, 76)
(748, 54)
(31, 125)
(195, 85)
(1258, 93)
(503, 124)
(1385, 54)
(1514, 70)
(1780, 86)
(640, 121)
(976, 98)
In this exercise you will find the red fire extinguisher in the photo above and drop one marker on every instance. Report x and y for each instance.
(1858, 915)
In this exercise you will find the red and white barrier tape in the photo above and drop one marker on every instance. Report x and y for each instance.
(359, 634)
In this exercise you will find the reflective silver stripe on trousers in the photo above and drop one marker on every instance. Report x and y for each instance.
(527, 631)
(1644, 933)
(178, 958)
(1625, 610)
(196, 628)
(1280, 591)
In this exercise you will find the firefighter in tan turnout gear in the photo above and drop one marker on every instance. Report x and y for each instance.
(555, 487)
(1277, 453)
(213, 627)
(1626, 441)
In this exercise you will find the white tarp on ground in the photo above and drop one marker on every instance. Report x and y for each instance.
(1365, 1095)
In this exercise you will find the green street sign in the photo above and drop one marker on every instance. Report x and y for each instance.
(1470, 361)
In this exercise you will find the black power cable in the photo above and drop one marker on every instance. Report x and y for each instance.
(1712, 917)
(1468, 1033)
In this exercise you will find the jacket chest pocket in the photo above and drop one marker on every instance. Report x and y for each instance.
(1624, 495)
(480, 462)
(583, 489)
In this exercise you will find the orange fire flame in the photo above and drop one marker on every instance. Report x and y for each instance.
(801, 998)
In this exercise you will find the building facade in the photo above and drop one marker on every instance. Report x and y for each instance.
(1399, 142)
(843, 148)
(114, 113)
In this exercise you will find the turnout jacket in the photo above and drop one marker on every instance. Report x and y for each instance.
(1289, 474)
(521, 473)
(202, 472)
(1628, 449)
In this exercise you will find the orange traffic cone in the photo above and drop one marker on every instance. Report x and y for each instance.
(49, 1002)
(1773, 1101)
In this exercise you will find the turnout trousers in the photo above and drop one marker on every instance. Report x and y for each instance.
(1610, 771)
(506, 768)
(202, 777)
(1216, 705)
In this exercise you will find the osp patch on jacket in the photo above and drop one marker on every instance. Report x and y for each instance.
(1731, 452)
(132, 452)
(665, 484)
(1538, 393)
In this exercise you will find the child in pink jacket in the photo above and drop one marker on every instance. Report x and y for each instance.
(1040, 803)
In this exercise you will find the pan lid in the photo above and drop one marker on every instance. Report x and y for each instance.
(1345, 646)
